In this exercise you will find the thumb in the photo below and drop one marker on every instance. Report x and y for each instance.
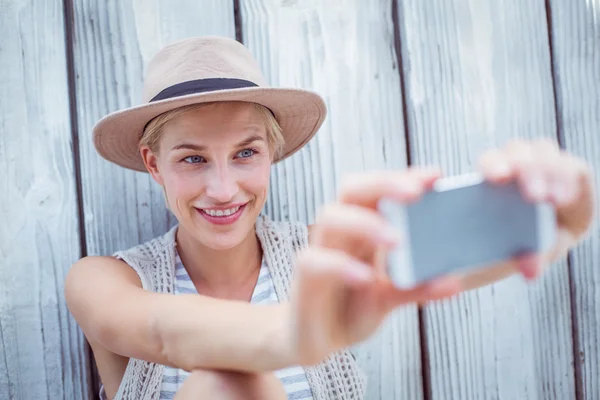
(436, 289)
(530, 265)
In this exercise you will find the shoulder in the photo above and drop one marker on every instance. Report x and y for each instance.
(93, 268)
(91, 278)
(148, 251)
(147, 264)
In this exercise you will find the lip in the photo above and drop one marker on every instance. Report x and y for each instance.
(223, 220)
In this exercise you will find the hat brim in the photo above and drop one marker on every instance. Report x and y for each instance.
(300, 113)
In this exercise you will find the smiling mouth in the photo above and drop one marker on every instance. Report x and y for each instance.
(220, 213)
(222, 216)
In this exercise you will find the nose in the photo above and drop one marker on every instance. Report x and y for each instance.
(222, 184)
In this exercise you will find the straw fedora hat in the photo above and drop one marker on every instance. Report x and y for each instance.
(200, 70)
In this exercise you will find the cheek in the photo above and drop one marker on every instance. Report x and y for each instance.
(256, 180)
(181, 186)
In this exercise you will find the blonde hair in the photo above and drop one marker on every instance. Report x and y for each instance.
(153, 130)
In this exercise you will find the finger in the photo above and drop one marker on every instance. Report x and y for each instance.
(437, 289)
(366, 189)
(495, 167)
(545, 168)
(529, 265)
(566, 180)
(527, 171)
(577, 214)
(379, 261)
(354, 223)
(319, 267)
(427, 175)
(323, 277)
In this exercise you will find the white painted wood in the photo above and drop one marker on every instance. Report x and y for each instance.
(42, 353)
(114, 41)
(576, 49)
(344, 50)
(478, 73)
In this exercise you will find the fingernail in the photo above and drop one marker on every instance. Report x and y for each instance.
(562, 193)
(530, 271)
(359, 273)
(537, 187)
(529, 267)
(409, 188)
(501, 169)
(389, 235)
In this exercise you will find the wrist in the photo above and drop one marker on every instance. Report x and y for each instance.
(280, 340)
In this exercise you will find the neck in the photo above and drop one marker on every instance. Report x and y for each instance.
(218, 268)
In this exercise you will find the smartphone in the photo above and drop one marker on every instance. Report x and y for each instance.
(464, 223)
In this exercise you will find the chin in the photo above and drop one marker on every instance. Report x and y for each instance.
(222, 241)
(218, 238)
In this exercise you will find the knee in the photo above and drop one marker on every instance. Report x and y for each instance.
(228, 385)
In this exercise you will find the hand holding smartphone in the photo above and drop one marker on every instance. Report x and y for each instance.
(465, 224)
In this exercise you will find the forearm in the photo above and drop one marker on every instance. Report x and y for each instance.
(199, 332)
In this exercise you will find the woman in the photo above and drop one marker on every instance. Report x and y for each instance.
(238, 325)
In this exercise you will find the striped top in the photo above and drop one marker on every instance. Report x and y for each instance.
(293, 378)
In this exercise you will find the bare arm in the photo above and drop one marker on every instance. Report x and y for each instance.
(186, 331)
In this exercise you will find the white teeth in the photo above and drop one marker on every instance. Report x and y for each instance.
(221, 213)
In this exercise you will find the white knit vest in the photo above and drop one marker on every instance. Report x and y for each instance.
(337, 378)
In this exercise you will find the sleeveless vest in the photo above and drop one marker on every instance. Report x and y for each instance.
(338, 377)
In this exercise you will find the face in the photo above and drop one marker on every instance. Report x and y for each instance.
(214, 163)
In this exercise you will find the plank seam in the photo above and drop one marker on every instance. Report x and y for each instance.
(423, 349)
(237, 18)
(400, 66)
(68, 17)
(3, 344)
(561, 140)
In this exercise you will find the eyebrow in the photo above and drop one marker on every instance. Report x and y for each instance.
(195, 147)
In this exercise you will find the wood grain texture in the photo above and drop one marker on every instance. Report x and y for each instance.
(576, 50)
(42, 353)
(478, 73)
(345, 51)
(114, 40)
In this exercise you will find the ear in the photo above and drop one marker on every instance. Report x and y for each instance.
(151, 162)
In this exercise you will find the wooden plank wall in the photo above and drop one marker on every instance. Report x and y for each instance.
(478, 73)
(41, 349)
(406, 82)
(113, 41)
(576, 65)
(338, 50)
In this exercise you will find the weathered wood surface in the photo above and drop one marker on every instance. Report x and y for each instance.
(478, 73)
(575, 34)
(114, 41)
(42, 352)
(345, 51)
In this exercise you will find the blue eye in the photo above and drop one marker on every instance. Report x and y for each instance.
(246, 153)
(193, 159)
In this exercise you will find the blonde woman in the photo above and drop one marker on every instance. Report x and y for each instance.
(231, 305)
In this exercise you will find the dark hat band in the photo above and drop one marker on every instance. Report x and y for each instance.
(202, 86)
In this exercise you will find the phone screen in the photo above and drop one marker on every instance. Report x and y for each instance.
(465, 227)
